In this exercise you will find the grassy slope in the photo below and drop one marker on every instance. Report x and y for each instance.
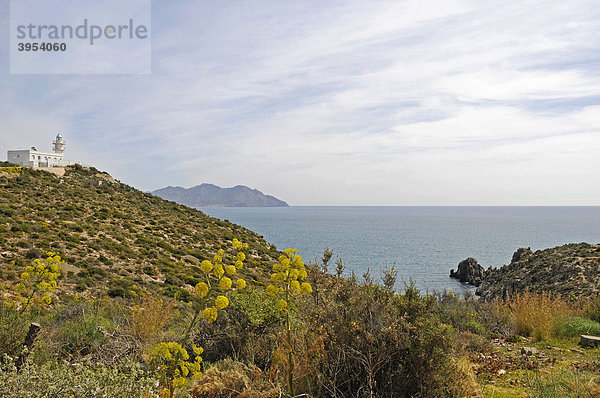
(113, 237)
(560, 369)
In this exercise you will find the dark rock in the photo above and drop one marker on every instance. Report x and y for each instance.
(589, 341)
(521, 253)
(469, 271)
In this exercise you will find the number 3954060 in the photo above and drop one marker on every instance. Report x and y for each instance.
(42, 46)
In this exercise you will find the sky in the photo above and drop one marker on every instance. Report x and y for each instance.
(339, 102)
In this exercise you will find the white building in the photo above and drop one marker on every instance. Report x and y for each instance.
(34, 158)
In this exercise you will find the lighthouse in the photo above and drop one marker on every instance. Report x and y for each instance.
(34, 158)
(59, 144)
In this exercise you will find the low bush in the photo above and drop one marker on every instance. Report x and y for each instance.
(574, 326)
(379, 343)
(592, 308)
(149, 318)
(13, 328)
(535, 314)
(77, 380)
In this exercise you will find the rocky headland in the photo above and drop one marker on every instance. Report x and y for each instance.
(569, 270)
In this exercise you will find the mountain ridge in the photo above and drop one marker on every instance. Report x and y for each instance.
(211, 195)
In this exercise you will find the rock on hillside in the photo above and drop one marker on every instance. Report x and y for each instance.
(209, 195)
(568, 269)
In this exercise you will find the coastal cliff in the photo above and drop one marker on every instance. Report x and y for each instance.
(569, 270)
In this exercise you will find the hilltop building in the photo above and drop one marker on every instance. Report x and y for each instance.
(34, 158)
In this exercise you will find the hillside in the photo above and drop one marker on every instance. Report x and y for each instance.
(208, 195)
(572, 269)
(114, 238)
(341, 338)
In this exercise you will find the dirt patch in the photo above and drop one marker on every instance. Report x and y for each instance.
(59, 171)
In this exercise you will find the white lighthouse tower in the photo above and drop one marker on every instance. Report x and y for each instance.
(59, 144)
(34, 158)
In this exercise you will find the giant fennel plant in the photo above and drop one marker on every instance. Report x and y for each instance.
(289, 280)
(172, 361)
(38, 281)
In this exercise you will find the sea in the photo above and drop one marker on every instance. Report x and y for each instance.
(422, 243)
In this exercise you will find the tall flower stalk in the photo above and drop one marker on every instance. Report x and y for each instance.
(209, 299)
(288, 281)
(39, 279)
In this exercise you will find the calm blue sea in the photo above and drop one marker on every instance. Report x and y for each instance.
(422, 242)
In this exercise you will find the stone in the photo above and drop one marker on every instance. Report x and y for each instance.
(469, 271)
(521, 253)
(589, 341)
(191, 259)
(529, 351)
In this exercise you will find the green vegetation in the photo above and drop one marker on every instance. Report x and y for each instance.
(114, 239)
(138, 297)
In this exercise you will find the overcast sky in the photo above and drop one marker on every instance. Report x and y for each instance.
(339, 102)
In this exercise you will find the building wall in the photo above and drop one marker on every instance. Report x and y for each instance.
(29, 157)
(21, 157)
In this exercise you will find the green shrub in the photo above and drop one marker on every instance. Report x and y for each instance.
(13, 328)
(76, 381)
(475, 327)
(592, 308)
(375, 342)
(81, 336)
(574, 326)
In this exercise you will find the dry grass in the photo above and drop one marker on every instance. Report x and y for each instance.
(466, 385)
(535, 314)
(234, 379)
(149, 318)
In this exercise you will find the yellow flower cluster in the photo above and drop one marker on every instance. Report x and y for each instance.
(171, 360)
(219, 277)
(287, 277)
(39, 279)
(11, 170)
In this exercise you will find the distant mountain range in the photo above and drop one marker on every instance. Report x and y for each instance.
(209, 195)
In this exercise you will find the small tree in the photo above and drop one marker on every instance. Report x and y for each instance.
(339, 269)
(389, 277)
(327, 254)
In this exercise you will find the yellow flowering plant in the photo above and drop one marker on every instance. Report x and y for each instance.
(174, 366)
(209, 298)
(288, 281)
(11, 170)
(38, 280)
(219, 279)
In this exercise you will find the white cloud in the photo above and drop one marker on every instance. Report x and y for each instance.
(380, 102)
